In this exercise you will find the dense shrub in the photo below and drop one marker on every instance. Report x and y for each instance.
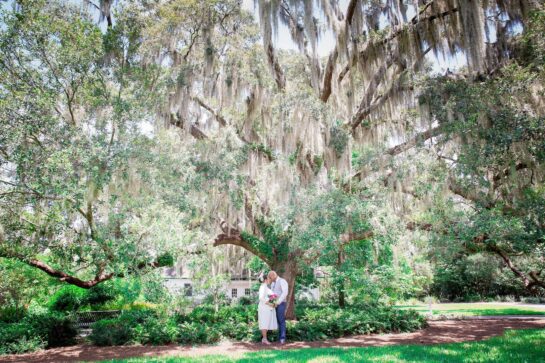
(99, 295)
(206, 324)
(19, 338)
(11, 314)
(36, 331)
(57, 329)
(72, 298)
(135, 327)
(316, 323)
(68, 298)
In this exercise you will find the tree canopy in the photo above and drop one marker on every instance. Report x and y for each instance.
(132, 131)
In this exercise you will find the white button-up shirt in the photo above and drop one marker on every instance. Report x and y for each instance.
(280, 288)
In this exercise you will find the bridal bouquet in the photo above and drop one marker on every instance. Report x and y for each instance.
(273, 299)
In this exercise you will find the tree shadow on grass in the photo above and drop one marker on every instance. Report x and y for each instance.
(514, 346)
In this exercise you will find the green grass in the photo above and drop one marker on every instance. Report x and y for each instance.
(514, 346)
(474, 309)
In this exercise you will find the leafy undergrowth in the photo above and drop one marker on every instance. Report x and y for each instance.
(206, 325)
(513, 346)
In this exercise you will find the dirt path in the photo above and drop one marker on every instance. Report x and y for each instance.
(448, 331)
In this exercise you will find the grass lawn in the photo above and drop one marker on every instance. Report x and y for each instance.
(475, 309)
(514, 346)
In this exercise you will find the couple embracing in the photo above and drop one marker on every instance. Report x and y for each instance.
(272, 306)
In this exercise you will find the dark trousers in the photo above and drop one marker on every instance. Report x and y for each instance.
(281, 317)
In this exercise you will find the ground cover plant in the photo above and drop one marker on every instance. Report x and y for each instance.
(206, 324)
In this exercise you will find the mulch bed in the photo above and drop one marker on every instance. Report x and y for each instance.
(447, 331)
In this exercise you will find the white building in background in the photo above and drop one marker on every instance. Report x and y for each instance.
(178, 279)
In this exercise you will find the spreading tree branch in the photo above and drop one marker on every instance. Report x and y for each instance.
(177, 120)
(232, 236)
(332, 59)
(278, 73)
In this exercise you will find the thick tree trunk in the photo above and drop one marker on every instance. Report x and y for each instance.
(288, 270)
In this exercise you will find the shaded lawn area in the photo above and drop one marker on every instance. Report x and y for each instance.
(476, 309)
(514, 346)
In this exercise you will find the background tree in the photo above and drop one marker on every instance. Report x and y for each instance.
(79, 188)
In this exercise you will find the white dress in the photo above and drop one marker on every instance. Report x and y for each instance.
(266, 314)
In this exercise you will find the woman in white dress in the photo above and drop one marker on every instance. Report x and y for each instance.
(266, 312)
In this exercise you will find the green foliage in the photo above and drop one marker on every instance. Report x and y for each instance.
(499, 131)
(338, 139)
(135, 327)
(68, 298)
(72, 298)
(11, 314)
(206, 324)
(475, 277)
(21, 284)
(35, 331)
(74, 103)
(165, 260)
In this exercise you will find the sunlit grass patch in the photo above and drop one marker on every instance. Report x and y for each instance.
(513, 346)
(476, 309)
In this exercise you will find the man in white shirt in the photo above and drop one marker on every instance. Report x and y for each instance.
(280, 288)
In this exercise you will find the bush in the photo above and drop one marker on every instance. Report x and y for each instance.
(205, 324)
(56, 329)
(135, 327)
(73, 298)
(197, 333)
(534, 300)
(11, 314)
(68, 298)
(37, 331)
(99, 295)
(110, 332)
(317, 323)
(19, 338)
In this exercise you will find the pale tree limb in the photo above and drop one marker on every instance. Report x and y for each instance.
(100, 276)
(368, 104)
(405, 146)
(332, 59)
(232, 236)
(176, 120)
(278, 73)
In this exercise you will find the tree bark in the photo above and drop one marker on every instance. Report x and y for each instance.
(62, 276)
(530, 280)
(279, 76)
(332, 60)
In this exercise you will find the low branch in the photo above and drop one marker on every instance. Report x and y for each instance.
(530, 281)
(62, 276)
(100, 276)
(232, 236)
